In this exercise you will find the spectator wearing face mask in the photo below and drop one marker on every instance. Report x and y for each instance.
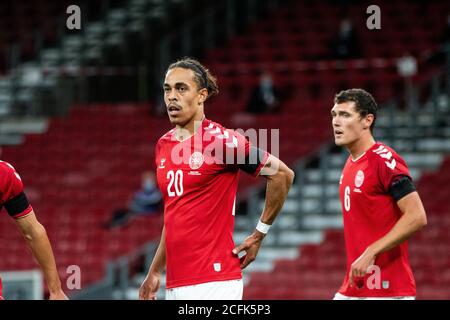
(146, 201)
(265, 97)
(345, 45)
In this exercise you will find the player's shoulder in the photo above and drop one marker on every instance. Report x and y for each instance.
(215, 131)
(166, 137)
(7, 174)
(381, 153)
(6, 168)
(213, 126)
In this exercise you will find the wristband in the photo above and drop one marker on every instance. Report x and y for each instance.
(262, 227)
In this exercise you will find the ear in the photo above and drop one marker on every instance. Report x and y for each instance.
(203, 95)
(368, 121)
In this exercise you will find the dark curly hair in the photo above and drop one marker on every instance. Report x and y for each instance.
(364, 102)
(203, 76)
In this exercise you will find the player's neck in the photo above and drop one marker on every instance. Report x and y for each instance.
(188, 130)
(360, 146)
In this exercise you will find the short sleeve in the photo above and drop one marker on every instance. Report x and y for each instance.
(391, 168)
(248, 157)
(13, 197)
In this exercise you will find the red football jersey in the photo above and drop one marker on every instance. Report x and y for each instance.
(369, 212)
(10, 187)
(198, 180)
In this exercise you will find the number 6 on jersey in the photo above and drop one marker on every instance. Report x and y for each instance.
(347, 198)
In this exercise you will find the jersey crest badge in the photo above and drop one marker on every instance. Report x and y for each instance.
(359, 178)
(196, 160)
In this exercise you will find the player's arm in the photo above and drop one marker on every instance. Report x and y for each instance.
(152, 281)
(413, 218)
(279, 180)
(37, 240)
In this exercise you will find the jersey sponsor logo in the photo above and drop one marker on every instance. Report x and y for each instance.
(196, 160)
(359, 178)
(383, 152)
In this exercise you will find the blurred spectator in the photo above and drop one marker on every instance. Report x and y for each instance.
(264, 97)
(407, 68)
(345, 45)
(407, 65)
(146, 201)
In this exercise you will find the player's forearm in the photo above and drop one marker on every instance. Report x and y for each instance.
(278, 186)
(159, 261)
(39, 244)
(405, 227)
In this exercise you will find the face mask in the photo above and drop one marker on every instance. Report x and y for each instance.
(148, 185)
(345, 28)
(266, 83)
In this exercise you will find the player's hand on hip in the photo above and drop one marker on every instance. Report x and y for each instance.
(360, 266)
(149, 287)
(251, 246)
(58, 295)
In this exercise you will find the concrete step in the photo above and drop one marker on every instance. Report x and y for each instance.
(423, 160)
(427, 118)
(315, 205)
(295, 238)
(315, 176)
(434, 145)
(320, 222)
(285, 237)
(11, 139)
(23, 125)
(314, 190)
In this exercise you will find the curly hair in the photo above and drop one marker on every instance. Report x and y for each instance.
(364, 102)
(203, 76)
